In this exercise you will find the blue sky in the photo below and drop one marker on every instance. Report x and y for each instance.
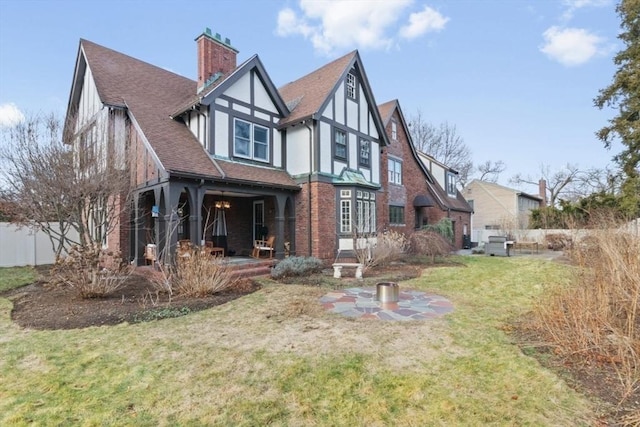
(516, 77)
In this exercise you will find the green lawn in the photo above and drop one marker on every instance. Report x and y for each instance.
(14, 277)
(276, 358)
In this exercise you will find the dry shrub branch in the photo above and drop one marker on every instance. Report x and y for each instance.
(596, 317)
(195, 274)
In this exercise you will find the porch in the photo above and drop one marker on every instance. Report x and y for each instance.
(228, 218)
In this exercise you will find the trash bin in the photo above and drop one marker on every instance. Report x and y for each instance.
(466, 241)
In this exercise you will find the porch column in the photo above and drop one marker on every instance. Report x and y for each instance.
(197, 212)
(137, 246)
(281, 201)
(292, 226)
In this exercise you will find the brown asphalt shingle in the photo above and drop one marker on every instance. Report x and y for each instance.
(152, 94)
(306, 95)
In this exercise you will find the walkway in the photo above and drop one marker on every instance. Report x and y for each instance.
(361, 302)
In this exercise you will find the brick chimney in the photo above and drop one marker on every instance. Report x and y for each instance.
(215, 58)
(542, 191)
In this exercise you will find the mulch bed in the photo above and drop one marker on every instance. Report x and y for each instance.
(42, 306)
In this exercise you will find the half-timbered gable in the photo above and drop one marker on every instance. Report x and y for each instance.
(334, 135)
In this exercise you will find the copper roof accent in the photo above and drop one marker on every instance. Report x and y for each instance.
(306, 95)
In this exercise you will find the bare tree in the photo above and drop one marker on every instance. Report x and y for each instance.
(443, 144)
(559, 183)
(58, 187)
(490, 171)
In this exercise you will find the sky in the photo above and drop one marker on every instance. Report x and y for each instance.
(517, 78)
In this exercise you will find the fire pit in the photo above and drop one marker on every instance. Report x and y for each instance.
(387, 292)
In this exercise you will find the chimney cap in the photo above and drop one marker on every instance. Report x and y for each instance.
(217, 38)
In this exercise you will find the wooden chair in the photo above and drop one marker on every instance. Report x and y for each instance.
(184, 248)
(263, 246)
(150, 254)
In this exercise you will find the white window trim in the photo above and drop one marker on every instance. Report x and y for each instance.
(395, 176)
(252, 141)
(351, 85)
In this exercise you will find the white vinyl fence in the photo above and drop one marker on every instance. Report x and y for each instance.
(539, 235)
(24, 246)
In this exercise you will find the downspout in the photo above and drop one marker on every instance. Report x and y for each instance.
(310, 240)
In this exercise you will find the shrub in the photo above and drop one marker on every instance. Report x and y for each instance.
(388, 246)
(444, 227)
(296, 266)
(597, 316)
(558, 241)
(430, 243)
(197, 274)
(91, 270)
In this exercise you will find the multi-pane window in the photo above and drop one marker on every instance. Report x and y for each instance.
(351, 86)
(364, 215)
(365, 153)
(365, 211)
(394, 130)
(395, 171)
(340, 144)
(451, 184)
(396, 215)
(250, 141)
(345, 216)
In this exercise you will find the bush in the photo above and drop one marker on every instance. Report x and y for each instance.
(92, 271)
(597, 316)
(296, 266)
(389, 246)
(430, 243)
(444, 227)
(558, 241)
(197, 274)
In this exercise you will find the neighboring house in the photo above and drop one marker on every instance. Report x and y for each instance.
(413, 197)
(230, 158)
(497, 207)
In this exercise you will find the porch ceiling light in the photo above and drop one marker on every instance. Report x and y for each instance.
(222, 204)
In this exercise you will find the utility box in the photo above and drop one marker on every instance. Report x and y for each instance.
(497, 245)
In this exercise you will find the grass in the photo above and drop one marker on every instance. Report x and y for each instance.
(14, 277)
(269, 359)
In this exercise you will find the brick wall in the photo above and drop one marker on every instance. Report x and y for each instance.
(323, 221)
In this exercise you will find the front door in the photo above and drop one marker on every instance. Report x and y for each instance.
(258, 220)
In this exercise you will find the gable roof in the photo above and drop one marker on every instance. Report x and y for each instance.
(151, 94)
(444, 200)
(308, 96)
(217, 87)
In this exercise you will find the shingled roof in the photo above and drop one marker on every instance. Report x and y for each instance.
(152, 94)
(445, 201)
(305, 96)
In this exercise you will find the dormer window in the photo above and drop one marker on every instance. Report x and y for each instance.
(451, 184)
(351, 86)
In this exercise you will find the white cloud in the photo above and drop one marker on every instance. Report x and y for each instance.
(340, 24)
(574, 5)
(423, 22)
(10, 115)
(571, 46)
